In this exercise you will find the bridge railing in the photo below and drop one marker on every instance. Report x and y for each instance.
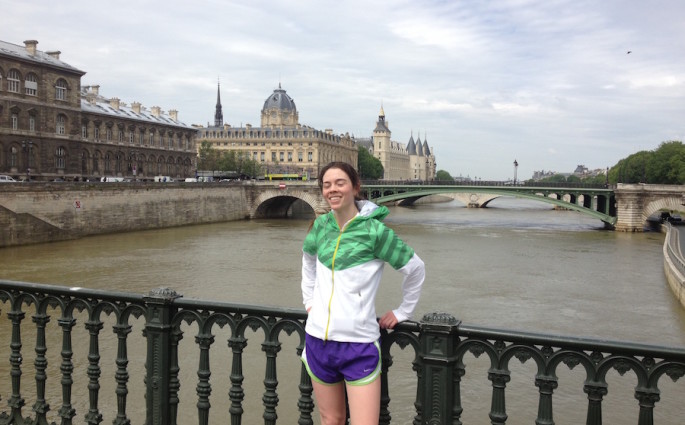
(490, 183)
(438, 346)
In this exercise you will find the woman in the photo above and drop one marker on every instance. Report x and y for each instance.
(342, 263)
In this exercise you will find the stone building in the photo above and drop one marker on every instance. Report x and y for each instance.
(281, 144)
(415, 161)
(52, 128)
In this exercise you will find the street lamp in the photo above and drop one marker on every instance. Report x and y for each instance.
(516, 166)
(27, 147)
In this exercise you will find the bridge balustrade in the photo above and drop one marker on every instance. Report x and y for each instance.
(438, 343)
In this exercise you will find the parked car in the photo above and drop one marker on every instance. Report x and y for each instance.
(6, 179)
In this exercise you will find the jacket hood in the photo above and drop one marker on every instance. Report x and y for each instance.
(368, 209)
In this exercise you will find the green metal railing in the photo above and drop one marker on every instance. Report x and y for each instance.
(439, 343)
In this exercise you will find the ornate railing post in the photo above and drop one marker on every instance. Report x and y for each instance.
(158, 331)
(438, 356)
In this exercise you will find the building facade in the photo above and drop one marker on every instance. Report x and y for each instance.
(280, 144)
(52, 128)
(415, 161)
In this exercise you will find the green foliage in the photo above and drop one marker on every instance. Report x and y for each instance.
(443, 175)
(665, 165)
(210, 159)
(370, 168)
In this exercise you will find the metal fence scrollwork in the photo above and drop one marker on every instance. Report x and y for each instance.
(437, 344)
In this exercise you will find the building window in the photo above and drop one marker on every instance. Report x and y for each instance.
(108, 134)
(310, 155)
(261, 157)
(171, 142)
(13, 157)
(121, 136)
(15, 121)
(281, 156)
(60, 159)
(141, 138)
(108, 163)
(97, 133)
(273, 156)
(131, 137)
(84, 131)
(151, 139)
(299, 157)
(13, 81)
(61, 125)
(32, 123)
(290, 157)
(61, 90)
(31, 85)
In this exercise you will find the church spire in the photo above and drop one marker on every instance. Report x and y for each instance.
(218, 115)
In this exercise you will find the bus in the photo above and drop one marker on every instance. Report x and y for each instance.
(286, 176)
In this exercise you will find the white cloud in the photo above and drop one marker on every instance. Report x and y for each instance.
(547, 82)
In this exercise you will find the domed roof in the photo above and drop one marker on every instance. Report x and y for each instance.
(279, 99)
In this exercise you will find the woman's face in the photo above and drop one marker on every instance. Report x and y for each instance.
(337, 189)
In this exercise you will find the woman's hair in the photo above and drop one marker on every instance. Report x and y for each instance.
(347, 169)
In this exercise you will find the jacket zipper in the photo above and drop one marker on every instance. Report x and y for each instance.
(330, 300)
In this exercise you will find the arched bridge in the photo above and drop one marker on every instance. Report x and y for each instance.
(597, 202)
(624, 207)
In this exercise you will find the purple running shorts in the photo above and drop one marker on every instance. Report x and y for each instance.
(331, 362)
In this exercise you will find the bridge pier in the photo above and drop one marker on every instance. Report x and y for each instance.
(636, 202)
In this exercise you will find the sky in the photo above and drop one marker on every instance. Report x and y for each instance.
(550, 84)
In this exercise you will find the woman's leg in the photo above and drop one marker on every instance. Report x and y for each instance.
(330, 400)
(365, 403)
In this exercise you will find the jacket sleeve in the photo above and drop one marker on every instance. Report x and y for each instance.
(414, 274)
(389, 247)
(308, 278)
(309, 266)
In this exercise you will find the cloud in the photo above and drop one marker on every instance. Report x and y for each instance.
(547, 82)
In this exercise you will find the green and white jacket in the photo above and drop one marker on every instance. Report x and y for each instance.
(341, 272)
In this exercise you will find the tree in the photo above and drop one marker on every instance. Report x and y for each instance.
(443, 175)
(207, 157)
(664, 165)
(370, 168)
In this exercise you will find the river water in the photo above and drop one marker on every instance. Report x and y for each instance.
(514, 265)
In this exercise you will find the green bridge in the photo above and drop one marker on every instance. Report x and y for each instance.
(596, 201)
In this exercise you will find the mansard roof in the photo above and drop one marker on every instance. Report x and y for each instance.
(39, 57)
(98, 104)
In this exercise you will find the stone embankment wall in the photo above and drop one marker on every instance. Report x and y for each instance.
(36, 213)
(674, 274)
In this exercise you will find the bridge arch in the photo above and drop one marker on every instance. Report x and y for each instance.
(276, 203)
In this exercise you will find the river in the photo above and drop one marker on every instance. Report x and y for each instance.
(515, 265)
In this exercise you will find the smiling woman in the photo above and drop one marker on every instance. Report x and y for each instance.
(342, 263)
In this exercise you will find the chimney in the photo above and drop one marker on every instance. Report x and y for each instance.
(173, 114)
(31, 46)
(114, 103)
(54, 54)
(156, 110)
(96, 90)
(136, 107)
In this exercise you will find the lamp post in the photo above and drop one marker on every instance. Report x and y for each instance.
(27, 147)
(516, 166)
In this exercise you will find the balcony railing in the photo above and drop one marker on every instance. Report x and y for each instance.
(438, 345)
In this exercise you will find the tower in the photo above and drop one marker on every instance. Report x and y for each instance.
(218, 115)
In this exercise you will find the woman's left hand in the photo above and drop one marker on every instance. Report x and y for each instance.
(388, 321)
